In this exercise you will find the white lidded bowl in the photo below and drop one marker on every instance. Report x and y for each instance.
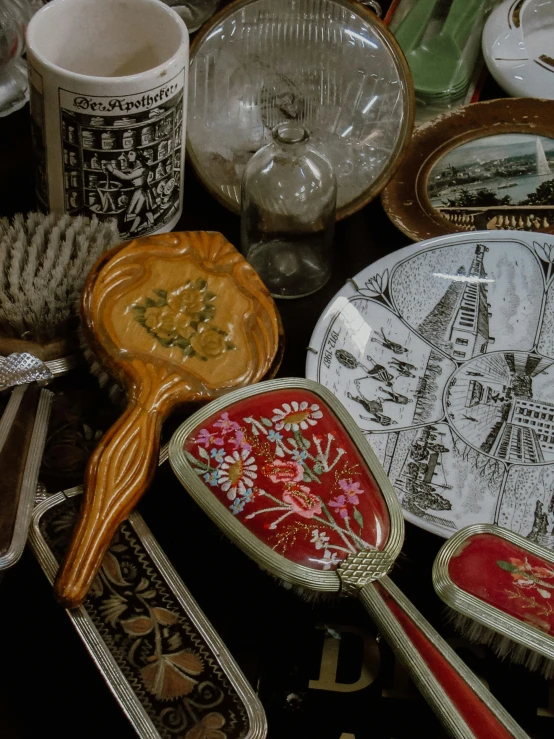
(518, 50)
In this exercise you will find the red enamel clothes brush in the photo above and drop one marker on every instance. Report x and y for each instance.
(501, 589)
(283, 470)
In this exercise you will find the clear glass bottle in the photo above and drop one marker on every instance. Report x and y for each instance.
(288, 201)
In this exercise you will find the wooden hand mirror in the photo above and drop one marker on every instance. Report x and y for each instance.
(175, 318)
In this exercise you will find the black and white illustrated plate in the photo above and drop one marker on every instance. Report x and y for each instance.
(443, 352)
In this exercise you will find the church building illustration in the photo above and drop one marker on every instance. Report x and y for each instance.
(459, 322)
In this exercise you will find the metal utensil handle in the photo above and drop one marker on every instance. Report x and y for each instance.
(462, 703)
(15, 436)
(23, 434)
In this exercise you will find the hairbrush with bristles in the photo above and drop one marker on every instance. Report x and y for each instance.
(44, 260)
(501, 589)
(284, 471)
(175, 318)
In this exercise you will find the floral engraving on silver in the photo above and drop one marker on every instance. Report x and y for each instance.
(161, 658)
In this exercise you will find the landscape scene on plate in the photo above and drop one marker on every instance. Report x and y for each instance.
(287, 471)
(508, 175)
(444, 361)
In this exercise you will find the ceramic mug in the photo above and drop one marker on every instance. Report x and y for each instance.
(107, 77)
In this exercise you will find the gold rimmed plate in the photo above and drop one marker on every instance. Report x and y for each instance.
(487, 166)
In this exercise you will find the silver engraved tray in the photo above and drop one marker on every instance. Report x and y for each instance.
(161, 658)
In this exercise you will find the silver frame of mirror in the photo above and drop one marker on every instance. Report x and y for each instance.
(266, 557)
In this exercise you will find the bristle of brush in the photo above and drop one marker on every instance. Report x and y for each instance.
(503, 646)
(115, 392)
(309, 596)
(44, 260)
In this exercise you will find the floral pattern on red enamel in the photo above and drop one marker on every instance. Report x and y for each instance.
(534, 584)
(286, 468)
(507, 577)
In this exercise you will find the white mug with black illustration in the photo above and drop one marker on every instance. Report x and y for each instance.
(108, 82)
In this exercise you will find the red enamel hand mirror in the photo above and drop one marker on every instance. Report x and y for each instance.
(284, 471)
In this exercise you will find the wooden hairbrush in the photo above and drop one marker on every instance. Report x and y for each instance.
(501, 589)
(285, 472)
(175, 318)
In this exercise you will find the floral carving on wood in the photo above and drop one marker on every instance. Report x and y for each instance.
(184, 318)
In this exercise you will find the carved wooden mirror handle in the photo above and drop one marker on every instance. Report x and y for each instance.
(176, 318)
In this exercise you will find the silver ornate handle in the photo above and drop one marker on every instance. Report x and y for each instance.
(462, 703)
(19, 369)
(23, 428)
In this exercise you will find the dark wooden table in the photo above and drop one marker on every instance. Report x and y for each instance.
(49, 685)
